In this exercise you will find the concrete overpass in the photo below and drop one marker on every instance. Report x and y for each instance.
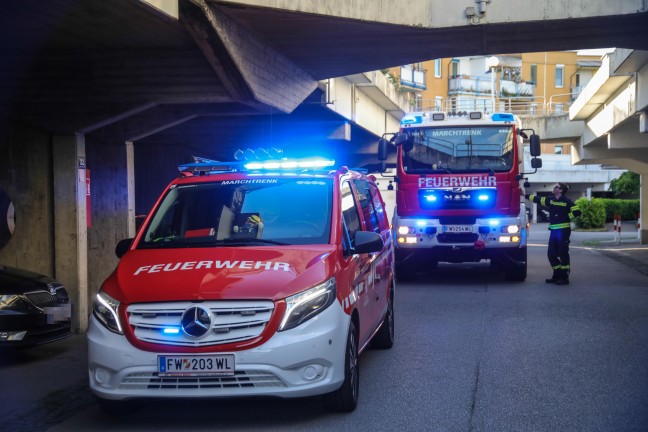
(126, 90)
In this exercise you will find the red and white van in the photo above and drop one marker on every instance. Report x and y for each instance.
(247, 279)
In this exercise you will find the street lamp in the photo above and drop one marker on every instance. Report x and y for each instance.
(492, 62)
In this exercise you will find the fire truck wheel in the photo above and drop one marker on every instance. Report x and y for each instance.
(345, 399)
(384, 339)
(513, 270)
(405, 273)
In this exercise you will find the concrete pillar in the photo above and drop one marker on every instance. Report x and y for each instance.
(70, 218)
(643, 212)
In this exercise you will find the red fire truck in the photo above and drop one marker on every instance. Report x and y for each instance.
(458, 193)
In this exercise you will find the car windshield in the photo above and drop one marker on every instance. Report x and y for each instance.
(460, 149)
(248, 212)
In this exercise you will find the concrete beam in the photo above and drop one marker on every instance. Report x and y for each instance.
(616, 111)
(627, 136)
(441, 13)
(555, 128)
(249, 68)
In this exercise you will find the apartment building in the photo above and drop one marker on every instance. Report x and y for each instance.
(536, 86)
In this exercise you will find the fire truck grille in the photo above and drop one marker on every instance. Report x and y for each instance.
(229, 321)
(241, 379)
(457, 237)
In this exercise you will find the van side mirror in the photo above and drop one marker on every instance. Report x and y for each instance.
(534, 145)
(536, 163)
(123, 246)
(368, 242)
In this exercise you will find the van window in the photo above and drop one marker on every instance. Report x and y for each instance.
(350, 214)
(367, 205)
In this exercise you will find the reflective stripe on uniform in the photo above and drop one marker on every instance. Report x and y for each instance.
(560, 226)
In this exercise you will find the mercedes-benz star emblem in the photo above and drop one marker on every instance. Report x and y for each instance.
(196, 321)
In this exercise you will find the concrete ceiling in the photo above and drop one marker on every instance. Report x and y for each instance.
(125, 70)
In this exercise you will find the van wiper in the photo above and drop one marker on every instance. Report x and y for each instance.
(245, 240)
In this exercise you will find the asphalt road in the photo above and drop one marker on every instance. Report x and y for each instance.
(473, 353)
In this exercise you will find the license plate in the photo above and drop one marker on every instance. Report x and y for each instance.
(213, 365)
(458, 228)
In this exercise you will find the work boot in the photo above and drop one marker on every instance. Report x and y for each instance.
(554, 278)
(562, 281)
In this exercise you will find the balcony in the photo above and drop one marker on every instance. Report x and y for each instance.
(413, 79)
(480, 86)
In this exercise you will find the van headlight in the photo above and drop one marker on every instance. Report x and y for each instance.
(307, 304)
(104, 308)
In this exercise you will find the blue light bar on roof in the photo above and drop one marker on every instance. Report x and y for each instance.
(503, 117)
(411, 119)
(290, 164)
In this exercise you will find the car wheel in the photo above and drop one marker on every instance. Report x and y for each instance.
(384, 339)
(345, 399)
(116, 408)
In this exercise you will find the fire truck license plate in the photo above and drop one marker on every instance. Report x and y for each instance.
(458, 228)
(213, 365)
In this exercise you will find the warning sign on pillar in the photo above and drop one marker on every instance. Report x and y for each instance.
(88, 206)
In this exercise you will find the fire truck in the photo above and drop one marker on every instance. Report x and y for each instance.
(458, 194)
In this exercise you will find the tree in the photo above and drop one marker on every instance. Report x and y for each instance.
(627, 184)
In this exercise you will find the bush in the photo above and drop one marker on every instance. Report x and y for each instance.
(593, 213)
(628, 209)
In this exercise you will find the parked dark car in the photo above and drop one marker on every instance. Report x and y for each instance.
(34, 309)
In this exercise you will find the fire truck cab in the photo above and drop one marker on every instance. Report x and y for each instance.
(264, 278)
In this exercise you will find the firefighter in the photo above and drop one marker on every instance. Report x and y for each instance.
(562, 211)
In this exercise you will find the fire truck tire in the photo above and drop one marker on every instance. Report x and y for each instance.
(405, 273)
(345, 399)
(513, 270)
(384, 339)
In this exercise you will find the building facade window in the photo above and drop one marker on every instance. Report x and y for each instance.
(455, 69)
(438, 103)
(560, 76)
(534, 74)
(558, 149)
(437, 68)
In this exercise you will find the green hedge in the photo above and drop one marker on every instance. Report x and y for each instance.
(627, 208)
(598, 211)
(593, 213)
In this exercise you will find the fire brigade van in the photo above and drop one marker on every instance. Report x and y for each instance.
(263, 278)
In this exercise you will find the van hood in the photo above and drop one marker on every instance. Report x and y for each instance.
(272, 273)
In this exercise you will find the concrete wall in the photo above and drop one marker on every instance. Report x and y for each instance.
(109, 209)
(26, 177)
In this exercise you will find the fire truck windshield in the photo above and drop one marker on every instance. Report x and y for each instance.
(460, 149)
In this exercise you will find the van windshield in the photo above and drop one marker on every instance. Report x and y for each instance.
(260, 211)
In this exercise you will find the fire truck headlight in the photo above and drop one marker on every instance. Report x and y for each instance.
(511, 229)
(404, 230)
(307, 304)
(105, 309)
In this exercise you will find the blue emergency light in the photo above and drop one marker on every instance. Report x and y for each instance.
(503, 117)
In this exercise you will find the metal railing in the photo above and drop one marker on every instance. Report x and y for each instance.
(522, 106)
